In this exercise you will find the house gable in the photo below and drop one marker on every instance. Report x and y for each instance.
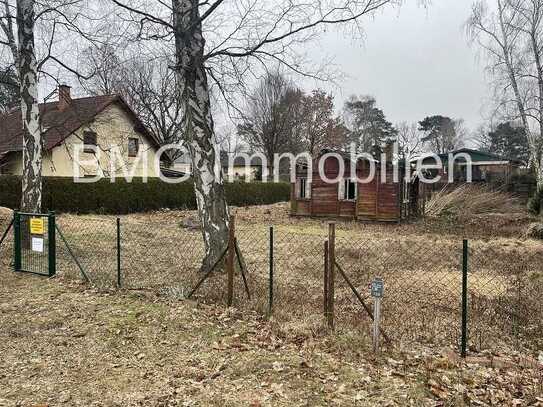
(108, 117)
(113, 128)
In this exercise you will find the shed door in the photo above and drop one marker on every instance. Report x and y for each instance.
(367, 200)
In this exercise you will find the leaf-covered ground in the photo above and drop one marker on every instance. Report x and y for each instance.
(62, 344)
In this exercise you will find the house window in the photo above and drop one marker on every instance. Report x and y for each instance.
(304, 189)
(133, 147)
(347, 190)
(89, 142)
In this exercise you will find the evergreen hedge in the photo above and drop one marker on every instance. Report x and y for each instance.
(121, 197)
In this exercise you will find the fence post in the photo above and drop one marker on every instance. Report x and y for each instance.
(51, 235)
(331, 273)
(517, 309)
(270, 305)
(464, 344)
(377, 290)
(119, 282)
(376, 323)
(230, 260)
(326, 264)
(16, 241)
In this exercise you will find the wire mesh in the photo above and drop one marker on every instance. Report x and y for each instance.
(92, 241)
(506, 295)
(34, 248)
(422, 275)
(160, 256)
(422, 284)
(6, 247)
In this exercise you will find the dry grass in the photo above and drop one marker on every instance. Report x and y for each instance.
(419, 262)
(468, 200)
(149, 348)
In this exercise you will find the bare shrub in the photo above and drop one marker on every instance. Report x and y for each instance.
(467, 200)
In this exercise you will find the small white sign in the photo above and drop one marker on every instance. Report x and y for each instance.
(37, 244)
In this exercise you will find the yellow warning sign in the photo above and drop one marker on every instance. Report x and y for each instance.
(36, 226)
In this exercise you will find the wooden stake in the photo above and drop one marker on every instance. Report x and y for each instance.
(326, 263)
(206, 275)
(361, 300)
(331, 273)
(242, 268)
(231, 258)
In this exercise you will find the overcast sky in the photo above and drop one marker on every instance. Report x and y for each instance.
(415, 61)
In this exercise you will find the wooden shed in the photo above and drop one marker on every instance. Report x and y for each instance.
(381, 199)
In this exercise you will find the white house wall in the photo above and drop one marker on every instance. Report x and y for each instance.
(113, 128)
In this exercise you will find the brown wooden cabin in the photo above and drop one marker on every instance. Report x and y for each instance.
(387, 201)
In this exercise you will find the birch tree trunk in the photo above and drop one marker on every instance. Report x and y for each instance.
(28, 76)
(533, 139)
(197, 123)
(537, 146)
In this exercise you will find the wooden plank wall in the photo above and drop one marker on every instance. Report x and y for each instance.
(367, 197)
(388, 208)
(375, 201)
(324, 198)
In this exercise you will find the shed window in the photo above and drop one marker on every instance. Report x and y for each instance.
(133, 147)
(347, 190)
(89, 142)
(304, 189)
(406, 191)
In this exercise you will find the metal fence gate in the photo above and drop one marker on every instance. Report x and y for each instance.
(34, 243)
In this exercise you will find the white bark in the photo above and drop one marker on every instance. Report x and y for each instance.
(198, 128)
(503, 40)
(531, 15)
(263, 31)
(28, 76)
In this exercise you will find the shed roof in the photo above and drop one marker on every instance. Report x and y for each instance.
(478, 156)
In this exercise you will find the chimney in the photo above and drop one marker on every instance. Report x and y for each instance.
(64, 97)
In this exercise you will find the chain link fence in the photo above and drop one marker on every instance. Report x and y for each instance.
(6, 239)
(422, 275)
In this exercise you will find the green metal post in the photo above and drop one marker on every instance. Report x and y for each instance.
(16, 241)
(270, 306)
(464, 344)
(119, 252)
(51, 236)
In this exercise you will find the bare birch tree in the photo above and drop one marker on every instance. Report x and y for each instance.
(510, 37)
(529, 24)
(19, 21)
(225, 42)
(28, 78)
(409, 140)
